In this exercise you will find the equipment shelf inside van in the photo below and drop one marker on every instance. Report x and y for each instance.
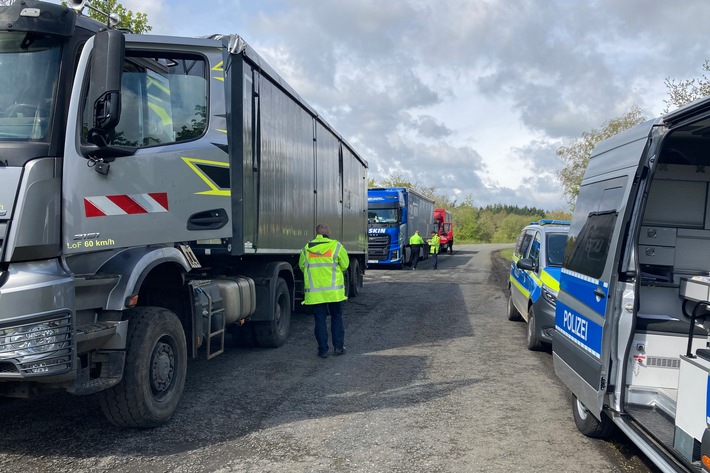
(633, 310)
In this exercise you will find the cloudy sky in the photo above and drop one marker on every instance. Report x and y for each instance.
(470, 96)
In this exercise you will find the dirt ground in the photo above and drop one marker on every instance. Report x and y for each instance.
(436, 379)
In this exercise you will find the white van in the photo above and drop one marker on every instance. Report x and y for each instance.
(633, 310)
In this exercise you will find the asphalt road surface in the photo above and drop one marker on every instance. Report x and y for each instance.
(436, 379)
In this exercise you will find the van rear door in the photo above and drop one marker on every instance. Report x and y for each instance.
(585, 308)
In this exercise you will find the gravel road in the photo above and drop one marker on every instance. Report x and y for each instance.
(436, 379)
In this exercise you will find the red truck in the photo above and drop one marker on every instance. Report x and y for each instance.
(445, 224)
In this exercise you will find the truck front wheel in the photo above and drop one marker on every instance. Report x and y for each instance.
(154, 373)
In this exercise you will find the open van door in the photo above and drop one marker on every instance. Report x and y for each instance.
(586, 307)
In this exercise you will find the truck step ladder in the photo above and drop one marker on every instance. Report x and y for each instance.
(216, 331)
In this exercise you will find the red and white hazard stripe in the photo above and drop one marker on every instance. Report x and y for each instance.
(127, 204)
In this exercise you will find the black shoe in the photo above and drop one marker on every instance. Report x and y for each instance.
(323, 355)
(339, 351)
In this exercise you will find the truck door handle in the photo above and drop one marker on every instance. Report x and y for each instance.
(599, 293)
(208, 220)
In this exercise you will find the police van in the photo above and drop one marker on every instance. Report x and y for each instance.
(535, 279)
(633, 310)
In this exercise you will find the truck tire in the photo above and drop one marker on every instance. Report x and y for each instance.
(531, 340)
(513, 313)
(154, 373)
(588, 424)
(451, 247)
(355, 278)
(275, 332)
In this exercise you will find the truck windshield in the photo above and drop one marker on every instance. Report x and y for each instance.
(382, 215)
(29, 67)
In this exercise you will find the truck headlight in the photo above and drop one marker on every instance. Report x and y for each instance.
(395, 254)
(33, 339)
(550, 295)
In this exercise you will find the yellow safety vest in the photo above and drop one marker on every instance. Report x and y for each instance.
(323, 262)
(434, 243)
(416, 240)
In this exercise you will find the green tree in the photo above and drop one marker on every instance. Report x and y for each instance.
(137, 22)
(509, 228)
(686, 91)
(576, 155)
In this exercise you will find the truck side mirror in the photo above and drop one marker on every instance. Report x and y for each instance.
(105, 85)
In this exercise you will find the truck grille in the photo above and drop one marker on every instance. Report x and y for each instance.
(37, 348)
(378, 247)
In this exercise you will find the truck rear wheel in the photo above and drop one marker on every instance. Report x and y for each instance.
(154, 373)
(355, 283)
(274, 333)
(588, 424)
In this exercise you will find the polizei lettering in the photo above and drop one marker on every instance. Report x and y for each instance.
(576, 325)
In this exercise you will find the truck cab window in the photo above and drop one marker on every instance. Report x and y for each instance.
(29, 67)
(163, 100)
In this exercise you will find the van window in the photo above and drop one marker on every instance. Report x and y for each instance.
(523, 244)
(590, 238)
(535, 248)
(591, 248)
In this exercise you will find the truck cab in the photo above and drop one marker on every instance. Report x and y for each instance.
(633, 309)
(393, 215)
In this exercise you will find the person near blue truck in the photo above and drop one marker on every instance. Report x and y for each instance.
(434, 243)
(415, 244)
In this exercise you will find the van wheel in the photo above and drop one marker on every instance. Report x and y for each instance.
(275, 332)
(154, 373)
(513, 313)
(532, 342)
(588, 424)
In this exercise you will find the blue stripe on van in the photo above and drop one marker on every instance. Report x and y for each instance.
(579, 329)
(582, 288)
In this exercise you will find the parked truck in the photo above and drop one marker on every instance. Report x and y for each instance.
(155, 193)
(632, 315)
(445, 229)
(393, 215)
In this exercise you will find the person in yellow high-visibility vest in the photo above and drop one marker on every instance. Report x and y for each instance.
(434, 243)
(415, 243)
(323, 262)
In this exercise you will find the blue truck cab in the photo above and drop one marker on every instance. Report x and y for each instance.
(393, 215)
(535, 278)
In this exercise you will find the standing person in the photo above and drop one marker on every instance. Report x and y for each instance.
(323, 262)
(415, 242)
(434, 242)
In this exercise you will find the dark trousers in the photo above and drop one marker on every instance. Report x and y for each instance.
(337, 329)
(434, 260)
(414, 259)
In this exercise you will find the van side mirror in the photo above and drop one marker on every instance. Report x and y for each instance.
(105, 85)
(526, 264)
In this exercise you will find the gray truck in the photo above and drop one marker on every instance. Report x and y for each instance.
(155, 193)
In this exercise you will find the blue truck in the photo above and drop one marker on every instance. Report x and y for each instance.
(393, 215)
